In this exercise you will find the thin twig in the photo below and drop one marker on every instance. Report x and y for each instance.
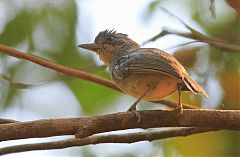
(195, 35)
(174, 104)
(177, 18)
(98, 139)
(199, 37)
(181, 45)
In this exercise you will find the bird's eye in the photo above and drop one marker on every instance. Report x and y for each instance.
(109, 38)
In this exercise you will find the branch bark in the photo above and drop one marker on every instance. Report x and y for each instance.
(57, 67)
(198, 37)
(97, 139)
(6, 121)
(87, 126)
(195, 35)
(71, 71)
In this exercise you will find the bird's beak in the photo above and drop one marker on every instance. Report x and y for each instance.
(92, 47)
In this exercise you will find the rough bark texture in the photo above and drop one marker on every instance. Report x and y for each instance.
(86, 126)
(114, 138)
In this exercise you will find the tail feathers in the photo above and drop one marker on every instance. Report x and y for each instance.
(193, 86)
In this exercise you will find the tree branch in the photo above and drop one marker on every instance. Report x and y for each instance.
(69, 71)
(57, 67)
(195, 35)
(114, 138)
(6, 121)
(87, 126)
(198, 37)
(173, 104)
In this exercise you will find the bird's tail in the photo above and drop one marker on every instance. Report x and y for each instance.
(193, 86)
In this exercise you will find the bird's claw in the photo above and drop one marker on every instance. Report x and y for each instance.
(134, 110)
(179, 109)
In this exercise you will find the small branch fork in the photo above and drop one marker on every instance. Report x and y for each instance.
(195, 35)
(198, 37)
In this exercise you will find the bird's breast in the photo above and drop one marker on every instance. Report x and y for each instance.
(135, 85)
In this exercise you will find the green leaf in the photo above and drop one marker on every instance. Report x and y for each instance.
(19, 28)
(152, 7)
(94, 98)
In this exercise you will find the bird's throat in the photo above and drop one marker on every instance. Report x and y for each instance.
(105, 57)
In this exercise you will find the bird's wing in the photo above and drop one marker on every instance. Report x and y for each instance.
(147, 61)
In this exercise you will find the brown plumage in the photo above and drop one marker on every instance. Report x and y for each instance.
(144, 73)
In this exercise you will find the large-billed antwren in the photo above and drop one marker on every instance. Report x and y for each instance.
(145, 73)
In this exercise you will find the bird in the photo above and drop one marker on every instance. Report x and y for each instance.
(148, 74)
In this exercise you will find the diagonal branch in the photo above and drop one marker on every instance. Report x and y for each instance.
(195, 35)
(57, 67)
(67, 70)
(198, 37)
(114, 138)
(87, 126)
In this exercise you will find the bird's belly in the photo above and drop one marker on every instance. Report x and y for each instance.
(136, 85)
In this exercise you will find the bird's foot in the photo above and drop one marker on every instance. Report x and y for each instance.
(134, 110)
(179, 109)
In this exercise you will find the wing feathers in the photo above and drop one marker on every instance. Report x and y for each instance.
(193, 86)
(154, 61)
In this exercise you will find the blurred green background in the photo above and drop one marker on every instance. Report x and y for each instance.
(53, 29)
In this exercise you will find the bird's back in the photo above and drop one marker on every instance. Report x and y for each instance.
(170, 65)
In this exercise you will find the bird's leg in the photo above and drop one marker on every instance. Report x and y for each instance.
(180, 106)
(134, 105)
(133, 108)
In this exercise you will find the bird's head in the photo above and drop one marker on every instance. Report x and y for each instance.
(109, 44)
